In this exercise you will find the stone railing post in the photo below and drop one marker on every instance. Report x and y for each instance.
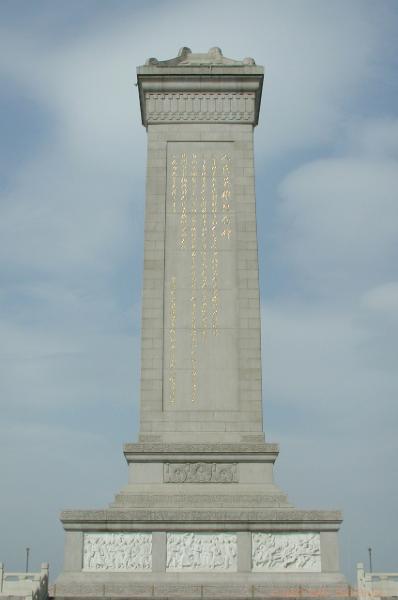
(361, 581)
(44, 576)
(1, 576)
(364, 583)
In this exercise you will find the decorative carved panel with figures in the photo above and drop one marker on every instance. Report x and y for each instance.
(201, 552)
(201, 472)
(117, 552)
(286, 552)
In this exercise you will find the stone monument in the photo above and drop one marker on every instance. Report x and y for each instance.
(201, 516)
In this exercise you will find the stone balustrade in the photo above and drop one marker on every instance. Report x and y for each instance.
(376, 585)
(32, 586)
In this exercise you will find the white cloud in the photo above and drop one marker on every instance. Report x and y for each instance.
(332, 361)
(383, 298)
(43, 369)
(342, 218)
(60, 217)
(377, 138)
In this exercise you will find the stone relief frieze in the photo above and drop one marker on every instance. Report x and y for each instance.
(286, 552)
(201, 552)
(195, 106)
(117, 552)
(200, 472)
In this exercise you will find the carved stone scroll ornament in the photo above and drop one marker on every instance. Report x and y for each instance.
(286, 552)
(117, 552)
(200, 472)
(188, 58)
(201, 552)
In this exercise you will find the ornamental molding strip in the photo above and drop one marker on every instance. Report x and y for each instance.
(209, 107)
(202, 552)
(117, 552)
(286, 552)
(200, 472)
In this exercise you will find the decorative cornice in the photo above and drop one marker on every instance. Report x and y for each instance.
(265, 519)
(203, 79)
(185, 448)
(194, 107)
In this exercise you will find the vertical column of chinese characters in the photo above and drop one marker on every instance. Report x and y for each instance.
(204, 235)
(194, 333)
(172, 295)
(214, 247)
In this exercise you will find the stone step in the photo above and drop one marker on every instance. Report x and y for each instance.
(205, 591)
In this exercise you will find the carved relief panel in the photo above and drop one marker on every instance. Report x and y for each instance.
(201, 552)
(117, 552)
(286, 552)
(200, 472)
(194, 106)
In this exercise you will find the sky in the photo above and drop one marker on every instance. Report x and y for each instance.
(72, 194)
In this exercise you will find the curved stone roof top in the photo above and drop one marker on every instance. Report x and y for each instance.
(189, 59)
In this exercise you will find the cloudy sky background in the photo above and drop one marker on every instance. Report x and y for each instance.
(72, 182)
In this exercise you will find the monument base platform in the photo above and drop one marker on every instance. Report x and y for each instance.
(201, 521)
(213, 586)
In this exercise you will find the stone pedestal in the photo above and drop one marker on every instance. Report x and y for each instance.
(200, 516)
(201, 521)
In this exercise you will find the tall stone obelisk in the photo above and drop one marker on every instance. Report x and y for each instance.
(201, 364)
(201, 516)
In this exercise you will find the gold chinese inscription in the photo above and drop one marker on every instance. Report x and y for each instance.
(201, 200)
(172, 340)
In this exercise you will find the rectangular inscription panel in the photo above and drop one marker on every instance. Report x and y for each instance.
(200, 294)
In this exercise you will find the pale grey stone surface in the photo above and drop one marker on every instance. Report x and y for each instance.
(244, 551)
(73, 551)
(330, 551)
(201, 469)
(159, 551)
